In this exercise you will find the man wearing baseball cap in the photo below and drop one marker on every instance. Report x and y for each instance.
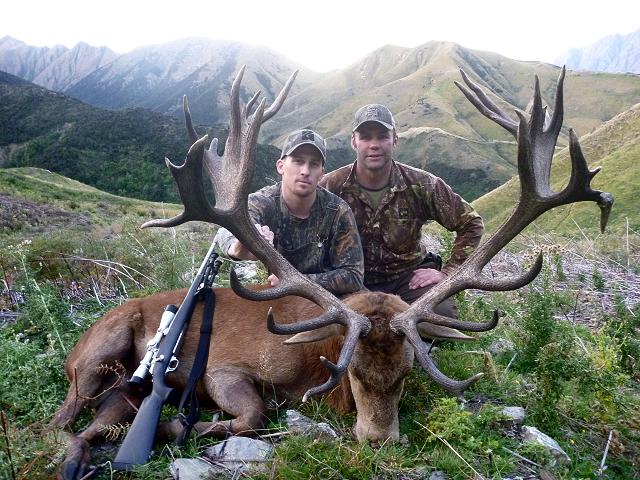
(312, 228)
(391, 202)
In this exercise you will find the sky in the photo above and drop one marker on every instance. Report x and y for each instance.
(325, 34)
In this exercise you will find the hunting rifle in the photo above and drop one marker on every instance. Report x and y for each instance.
(159, 360)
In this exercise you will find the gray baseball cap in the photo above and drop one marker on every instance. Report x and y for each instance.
(304, 137)
(374, 113)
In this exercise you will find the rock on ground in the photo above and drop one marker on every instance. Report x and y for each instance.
(301, 425)
(533, 435)
(241, 453)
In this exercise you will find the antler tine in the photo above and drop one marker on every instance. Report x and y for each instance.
(580, 180)
(277, 103)
(303, 326)
(235, 120)
(537, 111)
(188, 177)
(506, 284)
(193, 135)
(421, 351)
(336, 369)
(558, 111)
(536, 146)
(485, 105)
(247, 108)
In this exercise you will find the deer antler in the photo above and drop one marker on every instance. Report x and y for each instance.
(536, 146)
(230, 176)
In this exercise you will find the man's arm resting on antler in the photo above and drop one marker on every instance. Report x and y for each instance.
(230, 245)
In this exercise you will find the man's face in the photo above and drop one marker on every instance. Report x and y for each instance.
(301, 170)
(373, 145)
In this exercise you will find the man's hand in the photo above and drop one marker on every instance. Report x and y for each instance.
(238, 250)
(425, 277)
(266, 232)
(273, 280)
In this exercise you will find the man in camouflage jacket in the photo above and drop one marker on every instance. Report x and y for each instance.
(391, 202)
(312, 228)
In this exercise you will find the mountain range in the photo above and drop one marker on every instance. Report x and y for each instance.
(157, 76)
(56, 68)
(439, 129)
(615, 53)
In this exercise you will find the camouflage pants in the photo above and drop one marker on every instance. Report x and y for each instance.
(400, 287)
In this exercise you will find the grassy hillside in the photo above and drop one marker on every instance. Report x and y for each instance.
(471, 166)
(417, 84)
(36, 201)
(121, 152)
(615, 146)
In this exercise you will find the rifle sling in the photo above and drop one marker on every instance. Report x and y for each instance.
(197, 370)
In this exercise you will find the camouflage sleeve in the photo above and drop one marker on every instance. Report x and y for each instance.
(346, 271)
(257, 209)
(452, 212)
(223, 240)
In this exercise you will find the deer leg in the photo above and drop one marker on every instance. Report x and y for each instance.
(88, 387)
(94, 367)
(116, 409)
(235, 393)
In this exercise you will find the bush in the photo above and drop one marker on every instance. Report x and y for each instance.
(623, 327)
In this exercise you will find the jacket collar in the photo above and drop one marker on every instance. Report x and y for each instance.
(397, 181)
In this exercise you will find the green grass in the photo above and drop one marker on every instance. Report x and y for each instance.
(591, 394)
(44, 201)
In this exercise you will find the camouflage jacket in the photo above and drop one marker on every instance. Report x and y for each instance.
(391, 234)
(325, 246)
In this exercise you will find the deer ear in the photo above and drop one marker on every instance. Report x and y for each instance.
(429, 330)
(311, 336)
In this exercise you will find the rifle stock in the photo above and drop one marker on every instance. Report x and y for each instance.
(137, 445)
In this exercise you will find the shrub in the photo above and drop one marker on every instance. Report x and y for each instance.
(623, 327)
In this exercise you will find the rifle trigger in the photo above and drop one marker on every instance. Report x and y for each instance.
(173, 364)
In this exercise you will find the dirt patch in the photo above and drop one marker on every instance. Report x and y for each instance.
(18, 214)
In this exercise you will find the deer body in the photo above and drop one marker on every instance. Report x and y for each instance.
(246, 363)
